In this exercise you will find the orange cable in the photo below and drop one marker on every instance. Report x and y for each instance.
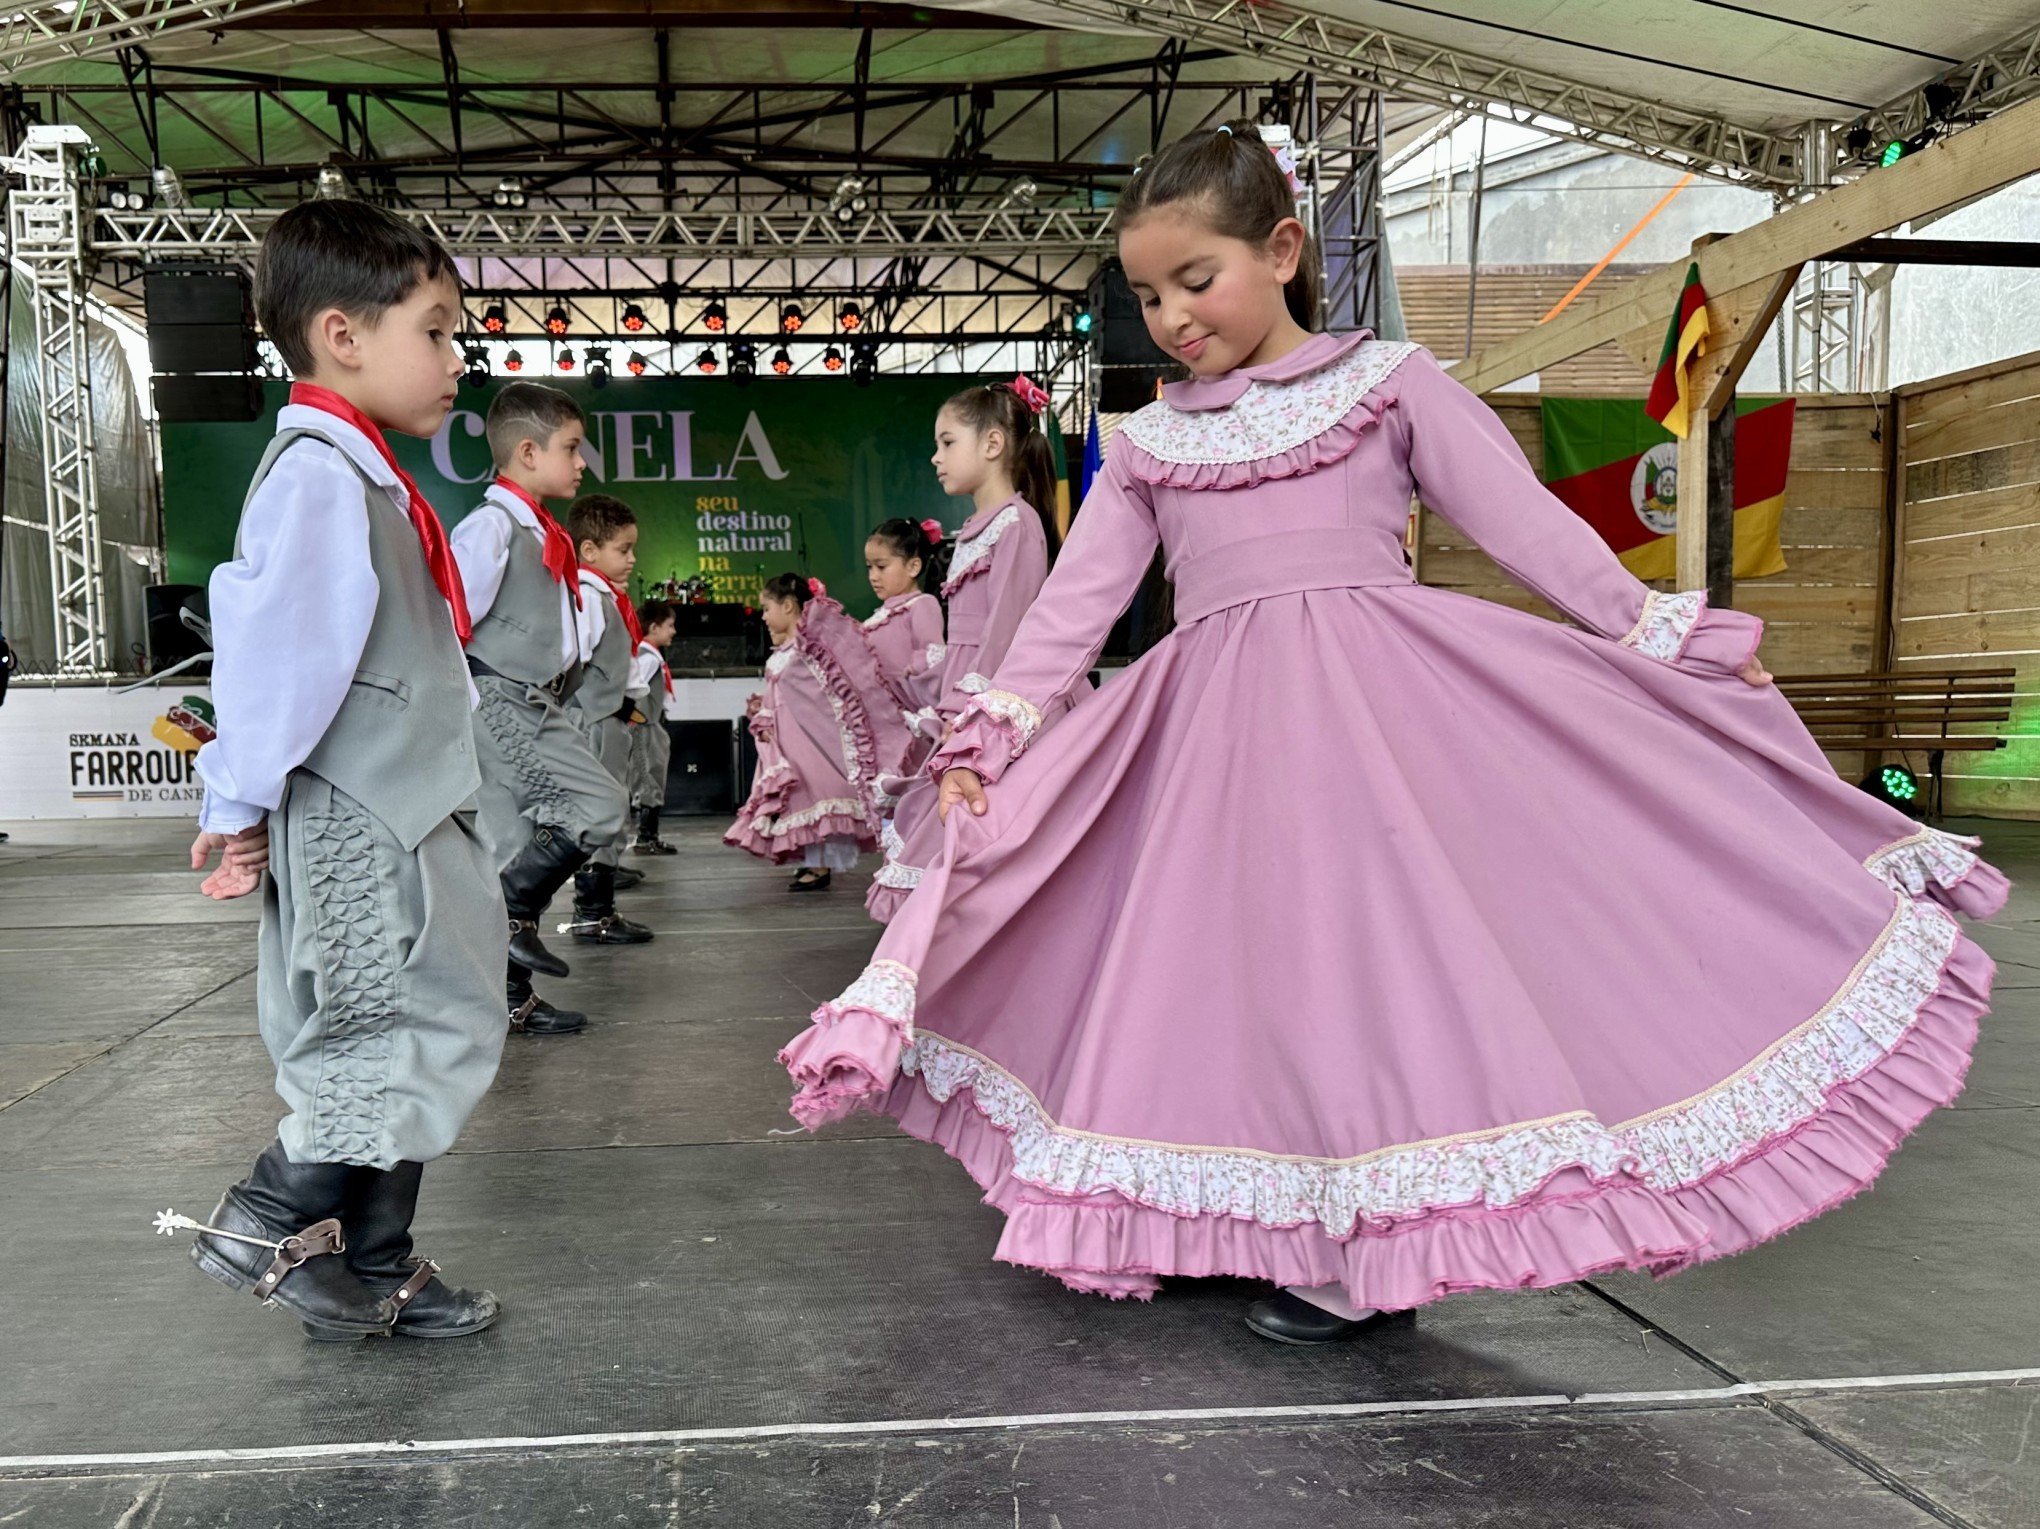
(1620, 245)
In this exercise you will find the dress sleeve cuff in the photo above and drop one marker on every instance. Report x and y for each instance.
(223, 815)
(991, 732)
(1682, 630)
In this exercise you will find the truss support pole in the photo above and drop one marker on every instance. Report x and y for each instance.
(47, 230)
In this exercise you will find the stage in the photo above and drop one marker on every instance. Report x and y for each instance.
(710, 1323)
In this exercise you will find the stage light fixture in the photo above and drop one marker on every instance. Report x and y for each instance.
(705, 362)
(495, 318)
(782, 361)
(848, 201)
(598, 366)
(564, 360)
(1081, 319)
(555, 320)
(850, 318)
(509, 193)
(513, 361)
(1896, 785)
(637, 365)
(863, 362)
(715, 318)
(1020, 194)
(743, 362)
(791, 318)
(832, 359)
(477, 374)
(168, 188)
(634, 319)
(1858, 141)
(331, 184)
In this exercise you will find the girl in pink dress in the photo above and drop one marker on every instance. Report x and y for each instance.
(823, 724)
(905, 632)
(1404, 943)
(988, 446)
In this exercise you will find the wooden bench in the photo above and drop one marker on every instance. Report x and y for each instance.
(1903, 712)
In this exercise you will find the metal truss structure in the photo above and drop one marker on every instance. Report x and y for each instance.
(46, 232)
(39, 32)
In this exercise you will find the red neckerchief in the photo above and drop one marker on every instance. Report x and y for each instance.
(431, 534)
(630, 621)
(559, 557)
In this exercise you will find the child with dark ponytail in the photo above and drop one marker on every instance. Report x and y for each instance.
(825, 725)
(1365, 938)
(989, 445)
(901, 559)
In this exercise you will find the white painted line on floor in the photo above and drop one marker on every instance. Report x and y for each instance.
(1305, 1413)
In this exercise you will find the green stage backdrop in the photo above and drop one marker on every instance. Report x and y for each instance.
(734, 483)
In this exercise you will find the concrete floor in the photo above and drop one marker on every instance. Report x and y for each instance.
(708, 1323)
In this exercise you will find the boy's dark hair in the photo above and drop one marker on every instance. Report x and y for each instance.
(790, 586)
(996, 406)
(909, 540)
(652, 612)
(338, 254)
(1243, 192)
(597, 518)
(528, 411)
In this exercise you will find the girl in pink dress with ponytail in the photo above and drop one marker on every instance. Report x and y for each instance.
(822, 725)
(1398, 942)
(989, 446)
(906, 631)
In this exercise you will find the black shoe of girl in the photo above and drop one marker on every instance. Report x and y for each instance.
(1287, 1318)
(810, 881)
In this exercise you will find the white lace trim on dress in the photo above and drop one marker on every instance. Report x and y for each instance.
(1270, 417)
(970, 553)
(833, 807)
(1666, 623)
(1930, 854)
(1774, 1095)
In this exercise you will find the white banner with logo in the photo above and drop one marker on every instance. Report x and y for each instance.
(77, 752)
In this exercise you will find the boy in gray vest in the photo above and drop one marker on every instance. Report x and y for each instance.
(546, 801)
(345, 769)
(605, 536)
(651, 746)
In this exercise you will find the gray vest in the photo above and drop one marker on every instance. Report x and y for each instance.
(607, 671)
(402, 743)
(520, 637)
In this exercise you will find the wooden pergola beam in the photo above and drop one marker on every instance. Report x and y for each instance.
(1969, 164)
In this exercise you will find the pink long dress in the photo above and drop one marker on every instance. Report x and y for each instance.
(905, 634)
(826, 722)
(1401, 939)
(1000, 562)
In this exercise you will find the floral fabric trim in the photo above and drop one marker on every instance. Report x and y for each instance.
(1680, 1145)
(895, 872)
(1667, 623)
(780, 658)
(1268, 419)
(885, 613)
(937, 651)
(1019, 717)
(833, 807)
(973, 684)
(1930, 854)
(973, 552)
(884, 989)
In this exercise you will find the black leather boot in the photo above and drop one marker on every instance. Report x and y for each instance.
(295, 1208)
(627, 876)
(1288, 1318)
(595, 917)
(529, 881)
(532, 1015)
(380, 1205)
(648, 840)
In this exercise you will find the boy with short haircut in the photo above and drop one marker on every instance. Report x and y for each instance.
(547, 802)
(605, 536)
(344, 766)
(651, 746)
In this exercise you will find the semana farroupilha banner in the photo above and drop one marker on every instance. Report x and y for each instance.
(734, 484)
(1619, 471)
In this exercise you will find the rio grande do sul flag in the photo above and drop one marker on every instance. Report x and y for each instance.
(1670, 391)
(1618, 469)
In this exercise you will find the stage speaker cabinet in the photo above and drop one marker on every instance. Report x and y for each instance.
(202, 344)
(1132, 365)
(702, 779)
(170, 640)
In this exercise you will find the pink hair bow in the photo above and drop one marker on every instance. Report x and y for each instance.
(817, 588)
(932, 529)
(1030, 393)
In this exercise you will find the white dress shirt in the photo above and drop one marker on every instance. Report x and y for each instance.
(481, 546)
(594, 611)
(290, 616)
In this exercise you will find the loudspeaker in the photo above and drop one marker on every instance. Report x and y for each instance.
(1122, 389)
(186, 398)
(1119, 331)
(170, 640)
(702, 779)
